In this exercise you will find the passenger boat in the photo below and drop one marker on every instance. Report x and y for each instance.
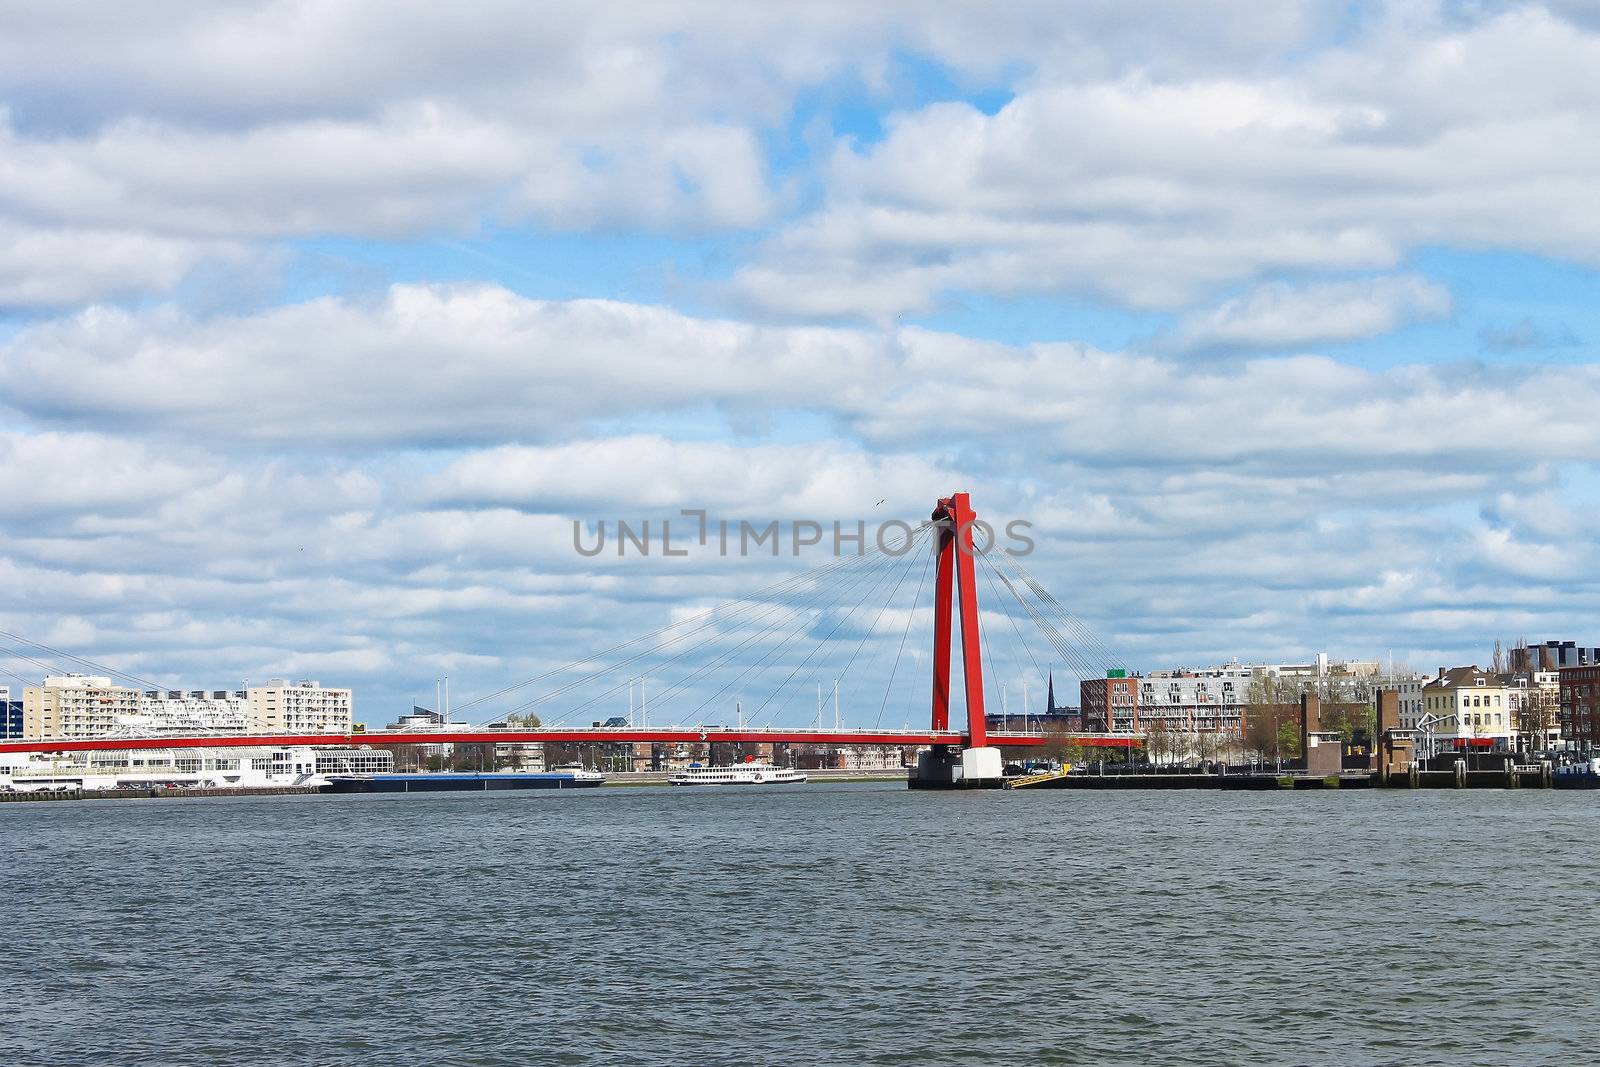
(738, 774)
(458, 781)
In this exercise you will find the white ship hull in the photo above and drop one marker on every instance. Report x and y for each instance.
(739, 774)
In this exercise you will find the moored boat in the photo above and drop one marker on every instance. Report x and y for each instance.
(461, 781)
(737, 774)
(1583, 774)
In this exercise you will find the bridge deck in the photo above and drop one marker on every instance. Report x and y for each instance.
(600, 735)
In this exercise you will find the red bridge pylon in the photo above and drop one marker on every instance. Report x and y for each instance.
(957, 577)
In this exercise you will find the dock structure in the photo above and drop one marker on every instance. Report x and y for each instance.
(1458, 777)
(144, 792)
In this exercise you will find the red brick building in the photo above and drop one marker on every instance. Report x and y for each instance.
(1580, 704)
(1109, 705)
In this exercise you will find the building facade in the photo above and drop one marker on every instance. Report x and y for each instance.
(1410, 693)
(1205, 700)
(1535, 700)
(1551, 656)
(85, 706)
(1110, 704)
(304, 707)
(10, 715)
(76, 706)
(1579, 705)
(196, 711)
(1472, 709)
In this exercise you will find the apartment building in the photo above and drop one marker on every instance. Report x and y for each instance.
(76, 706)
(304, 707)
(1110, 704)
(1473, 709)
(1206, 699)
(1411, 701)
(1534, 699)
(1579, 707)
(195, 711)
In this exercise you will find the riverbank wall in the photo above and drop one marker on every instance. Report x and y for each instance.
(1458, 778)
(150, 793)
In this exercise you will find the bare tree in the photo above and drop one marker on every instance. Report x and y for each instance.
(1272, 730)
(1161, 741)
(1060, 745)
(1537, 717)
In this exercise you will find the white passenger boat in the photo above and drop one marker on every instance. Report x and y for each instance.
(738, 774)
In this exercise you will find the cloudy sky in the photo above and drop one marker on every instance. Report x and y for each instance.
(321, 322)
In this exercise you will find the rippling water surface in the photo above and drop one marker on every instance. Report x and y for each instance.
(821, 923)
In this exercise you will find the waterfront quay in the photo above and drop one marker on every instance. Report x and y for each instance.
(1255, 780)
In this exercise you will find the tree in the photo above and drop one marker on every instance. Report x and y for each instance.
(1060, 746)
(1161, 741)
(1355, 721)
(1272, 730)
(1499, 661)
(1537, 717)
(1287, 740)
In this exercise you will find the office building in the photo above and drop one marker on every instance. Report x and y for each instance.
(10, 715)
(1550, 656)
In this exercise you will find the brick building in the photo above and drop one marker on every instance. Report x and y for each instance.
(1110, 704)
(1579, 690)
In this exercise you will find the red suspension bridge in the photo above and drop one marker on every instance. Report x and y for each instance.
(746, 645)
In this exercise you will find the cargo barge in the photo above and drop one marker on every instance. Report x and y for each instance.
(462, 781)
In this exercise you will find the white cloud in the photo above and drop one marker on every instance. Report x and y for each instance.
(654, 474)
(258, 121)
(50, 267)
(63, 478)
(435, 366)
(1156, 192)
(422, 364)
(1279, 315)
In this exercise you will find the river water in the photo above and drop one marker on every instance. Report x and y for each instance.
(810, 924)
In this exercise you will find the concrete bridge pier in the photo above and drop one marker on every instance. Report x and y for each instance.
(945, 767)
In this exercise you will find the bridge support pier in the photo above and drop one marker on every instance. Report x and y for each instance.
(945, 767)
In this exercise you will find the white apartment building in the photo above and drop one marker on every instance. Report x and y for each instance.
(76, 706)
(1204, 699)
(1411, 704)
(84, 706)
(197, 711)
(1323, 667)
(302, 708)
(1522, 690)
